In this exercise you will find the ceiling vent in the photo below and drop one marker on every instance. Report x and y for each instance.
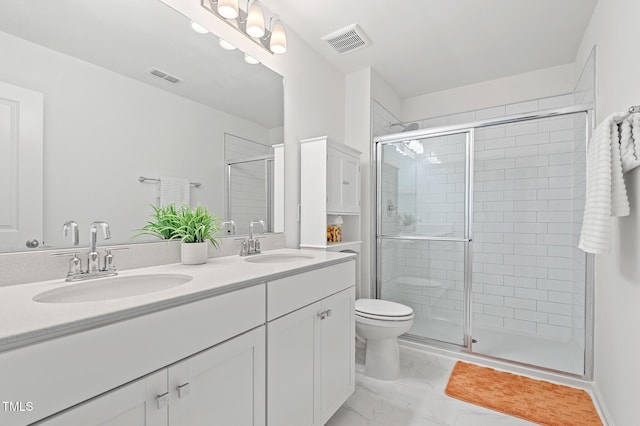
(347, 39)
(165, 76)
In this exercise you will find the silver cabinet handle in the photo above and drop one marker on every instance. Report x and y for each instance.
(162, 400)
(345, 182)
(183, 390)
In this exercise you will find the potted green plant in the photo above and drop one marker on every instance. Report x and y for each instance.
(194, 227)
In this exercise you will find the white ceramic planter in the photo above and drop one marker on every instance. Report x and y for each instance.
(193, 253)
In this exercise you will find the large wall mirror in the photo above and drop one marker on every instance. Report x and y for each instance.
(126, 89)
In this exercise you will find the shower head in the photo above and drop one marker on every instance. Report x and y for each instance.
(406, 127)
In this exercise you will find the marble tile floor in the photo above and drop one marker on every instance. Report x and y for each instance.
(417, 398)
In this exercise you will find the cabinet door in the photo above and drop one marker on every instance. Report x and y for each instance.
(335, 331)
(135, 404)
(290, 368)
(350, 184)
(334, 181)
(224, 385)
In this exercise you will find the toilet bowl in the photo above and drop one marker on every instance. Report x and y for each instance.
(380, 322)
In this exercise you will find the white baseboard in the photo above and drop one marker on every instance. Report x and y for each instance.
(600, 405)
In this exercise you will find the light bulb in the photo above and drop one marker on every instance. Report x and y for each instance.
(198, 28)
(255, 21)
(250, 59)
(226, 45)
(278, 42)
(228, 8)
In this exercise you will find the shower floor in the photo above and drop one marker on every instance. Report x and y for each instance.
(533, 350)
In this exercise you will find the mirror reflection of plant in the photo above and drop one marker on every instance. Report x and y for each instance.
(405, 219)
(183, 223)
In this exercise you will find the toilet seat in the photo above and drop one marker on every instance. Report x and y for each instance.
(382, 310)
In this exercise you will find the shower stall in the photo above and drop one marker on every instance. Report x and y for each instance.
(477, 230)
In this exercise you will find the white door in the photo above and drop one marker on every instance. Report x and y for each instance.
(335, 340)
(224, 385)
(21, 134)
(290, 368)
(135, 404)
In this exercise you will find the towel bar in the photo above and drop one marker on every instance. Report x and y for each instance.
(146, 179)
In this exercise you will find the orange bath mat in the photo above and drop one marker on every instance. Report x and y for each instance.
(533, 400)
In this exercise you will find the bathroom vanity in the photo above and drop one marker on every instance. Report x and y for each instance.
(242, 343)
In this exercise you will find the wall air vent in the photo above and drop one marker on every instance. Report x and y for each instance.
(347, 39)
(165, 76)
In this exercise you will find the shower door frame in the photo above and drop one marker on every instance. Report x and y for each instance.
(376, 245)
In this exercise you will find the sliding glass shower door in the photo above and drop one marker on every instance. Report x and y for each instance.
(423, 231)
(522, 290)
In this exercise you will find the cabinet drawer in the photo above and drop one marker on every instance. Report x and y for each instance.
(288, 294)
(82, 365)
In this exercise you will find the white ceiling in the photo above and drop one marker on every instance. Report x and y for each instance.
(132, 36)
(423, 46)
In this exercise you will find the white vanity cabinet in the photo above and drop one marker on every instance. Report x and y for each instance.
(134, 404)
(223, 385)
(311, 345)
(60, 373)
(280, 352)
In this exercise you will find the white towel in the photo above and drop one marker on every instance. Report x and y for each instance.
(174, 190)
(630, 142)
(613, 150)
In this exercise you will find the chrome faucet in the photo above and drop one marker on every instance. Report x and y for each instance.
(71, 227)
(76, 273)
(251, 245)
(232, 223)
(93, 258)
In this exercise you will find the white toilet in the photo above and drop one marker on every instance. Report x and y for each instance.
(380, 322)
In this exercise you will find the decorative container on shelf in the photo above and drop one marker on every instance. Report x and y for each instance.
(334, 233)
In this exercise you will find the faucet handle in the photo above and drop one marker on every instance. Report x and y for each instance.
(244, 246)
(257, 247)
(75, 264)
(109, 265)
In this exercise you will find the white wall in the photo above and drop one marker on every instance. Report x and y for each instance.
(103, 130)
(613, 29)
(517, 88)
(358, 136)
(314, 101)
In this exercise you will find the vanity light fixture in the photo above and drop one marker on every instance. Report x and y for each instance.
(198, 28)
(228, 9)
(226, 45)
(251, 23)
(278, 42)
(255, 21)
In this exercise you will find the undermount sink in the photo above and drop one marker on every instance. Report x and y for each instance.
(112, 288)
(277, 258)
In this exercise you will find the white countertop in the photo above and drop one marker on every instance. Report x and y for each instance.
(24, 321)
